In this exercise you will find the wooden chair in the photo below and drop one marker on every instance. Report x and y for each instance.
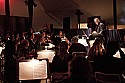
(107, 78)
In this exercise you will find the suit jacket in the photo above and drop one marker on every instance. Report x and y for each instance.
(100, 28)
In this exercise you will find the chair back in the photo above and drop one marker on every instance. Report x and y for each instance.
(107, 78)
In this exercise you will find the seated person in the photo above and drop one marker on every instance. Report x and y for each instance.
(96, 50)
(76, 47)
(24, 52)
(80, 70)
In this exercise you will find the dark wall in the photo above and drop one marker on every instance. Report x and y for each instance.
(13, 24)
(66, 23)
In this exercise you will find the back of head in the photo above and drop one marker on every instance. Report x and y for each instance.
(80, 63)
(74, 39)
(80, 70)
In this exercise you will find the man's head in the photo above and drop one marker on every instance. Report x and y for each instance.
(96, 21)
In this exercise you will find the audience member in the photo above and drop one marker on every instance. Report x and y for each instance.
(80, 70)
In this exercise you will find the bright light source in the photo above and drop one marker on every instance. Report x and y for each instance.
(83, 26)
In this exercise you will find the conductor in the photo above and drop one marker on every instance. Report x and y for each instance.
(98, 29)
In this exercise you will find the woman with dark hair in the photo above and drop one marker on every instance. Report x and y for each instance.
(96, 50)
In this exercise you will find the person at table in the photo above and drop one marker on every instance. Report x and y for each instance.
(96, 50)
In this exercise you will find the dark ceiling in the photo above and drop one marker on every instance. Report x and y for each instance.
(104, 8)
